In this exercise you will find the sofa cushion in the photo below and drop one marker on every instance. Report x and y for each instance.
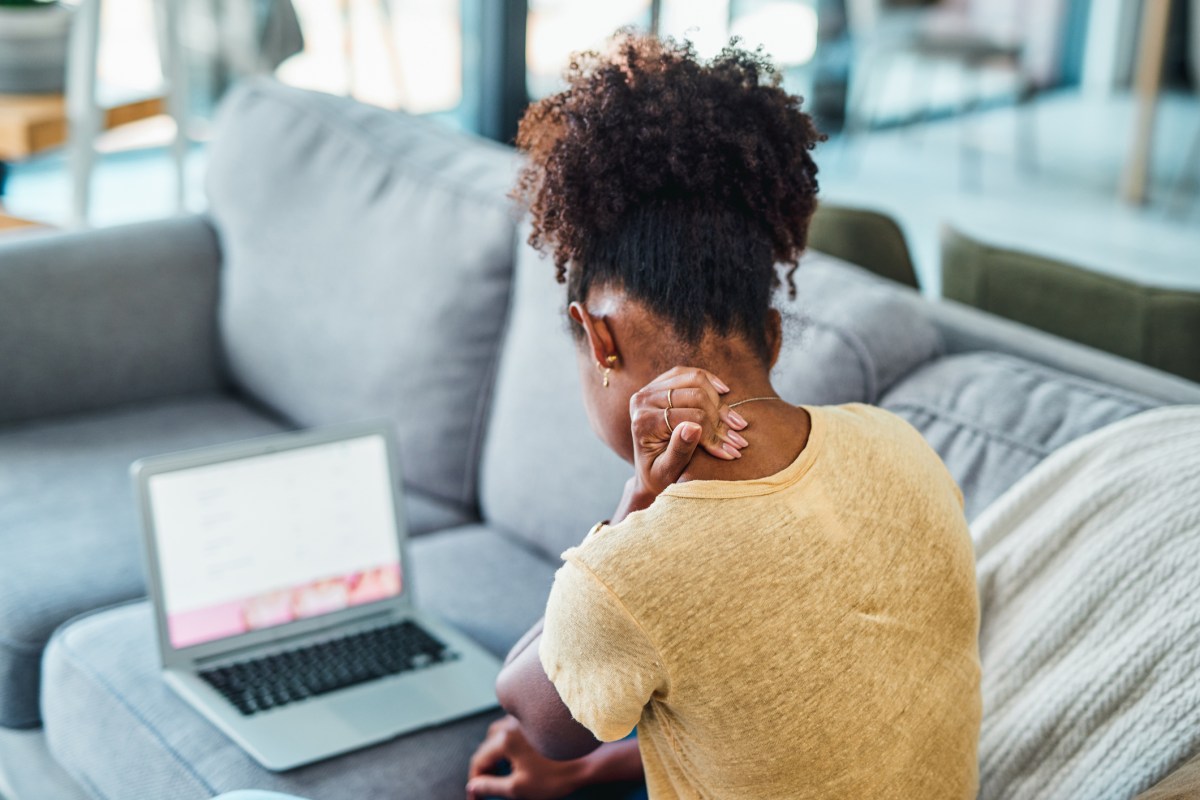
(547, 478)
(116, 727)
(849, 335)
(68, 526)
(992, 417)
(368, 256)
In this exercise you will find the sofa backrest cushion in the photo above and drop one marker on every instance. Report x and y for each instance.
(546, 478)
(849, 335)
(993, 417)
(368, 260)
(1154, 325)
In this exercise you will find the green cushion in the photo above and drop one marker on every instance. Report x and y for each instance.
(1158, 327)
(866, 238)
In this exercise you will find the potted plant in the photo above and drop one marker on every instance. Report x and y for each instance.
(33, 45)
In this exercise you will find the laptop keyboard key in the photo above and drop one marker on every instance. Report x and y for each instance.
(294, 675)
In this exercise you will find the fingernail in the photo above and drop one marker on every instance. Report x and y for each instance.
(690, 432)
(737, 419)
(720, 384)
(738, 439)
(733, 451)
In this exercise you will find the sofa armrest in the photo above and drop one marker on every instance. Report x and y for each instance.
(1181, 784)
(94, 319)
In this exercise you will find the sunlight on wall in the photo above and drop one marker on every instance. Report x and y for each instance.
(786, 31)
(417, 65)
(558, 28)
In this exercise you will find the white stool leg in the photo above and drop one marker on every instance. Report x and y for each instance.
(239, 37)
(393, 52)
(83, 112)
(174, 66)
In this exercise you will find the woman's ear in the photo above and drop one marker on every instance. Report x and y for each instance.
(596, 330)
(774, 335)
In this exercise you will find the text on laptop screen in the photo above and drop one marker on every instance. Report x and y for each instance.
(261, 541)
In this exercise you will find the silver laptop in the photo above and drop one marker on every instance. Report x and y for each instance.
(283, 598)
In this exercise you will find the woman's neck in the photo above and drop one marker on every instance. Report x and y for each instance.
(777, 432)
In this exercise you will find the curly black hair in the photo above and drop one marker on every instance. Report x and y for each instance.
(684, 182)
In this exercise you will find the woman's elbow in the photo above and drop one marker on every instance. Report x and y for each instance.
(556, 739)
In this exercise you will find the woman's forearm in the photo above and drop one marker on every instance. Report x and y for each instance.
(614, 762)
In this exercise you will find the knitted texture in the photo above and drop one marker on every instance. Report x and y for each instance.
(1089, 580)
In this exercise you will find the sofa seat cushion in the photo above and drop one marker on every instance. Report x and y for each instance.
(69, 529)
(547, 478)
(368, 256)
(992, 417)
(116, 727)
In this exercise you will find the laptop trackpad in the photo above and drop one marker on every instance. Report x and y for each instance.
(378, 708)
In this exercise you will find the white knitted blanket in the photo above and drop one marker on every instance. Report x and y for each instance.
(1089, 580)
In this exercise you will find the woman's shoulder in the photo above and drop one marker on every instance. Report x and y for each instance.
(661, 534)
(870, 440)
(860, 414)
(867, 422)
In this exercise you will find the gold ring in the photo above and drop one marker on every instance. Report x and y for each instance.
(669, 403)
(667, 419)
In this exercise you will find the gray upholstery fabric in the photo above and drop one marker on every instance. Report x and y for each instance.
(482, 581)
(849, 335)
(427, 514)
(93, 319)
(367, 264)
(993, 417)
(29, 772)
(545, 476)
(68, 526)
(116, 727)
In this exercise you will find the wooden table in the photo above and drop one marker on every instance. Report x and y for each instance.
(9, 223)
(31, 123)
(36, 122)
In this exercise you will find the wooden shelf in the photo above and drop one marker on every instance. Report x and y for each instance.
(8, 223)
(36, 122)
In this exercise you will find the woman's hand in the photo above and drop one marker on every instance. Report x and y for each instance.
(532, 776)
(671, 417)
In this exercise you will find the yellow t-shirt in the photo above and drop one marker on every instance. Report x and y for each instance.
(809, 634)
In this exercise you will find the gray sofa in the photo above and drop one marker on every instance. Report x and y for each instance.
(358, 263)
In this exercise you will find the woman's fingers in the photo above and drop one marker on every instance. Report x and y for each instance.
(490, 786)
(733, 419)
(719, 422)
(653, 428)
(697, 374)
(487, 756)
(678, 453)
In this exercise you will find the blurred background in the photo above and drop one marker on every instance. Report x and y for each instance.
(1069, 128)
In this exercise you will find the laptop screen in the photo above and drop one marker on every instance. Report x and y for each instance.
(269, 539)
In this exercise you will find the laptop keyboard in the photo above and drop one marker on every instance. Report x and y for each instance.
(276, 680)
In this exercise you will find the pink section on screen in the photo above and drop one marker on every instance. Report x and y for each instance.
(206, 624)
(188, 628)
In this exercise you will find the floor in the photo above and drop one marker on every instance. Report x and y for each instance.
(1064, 206)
